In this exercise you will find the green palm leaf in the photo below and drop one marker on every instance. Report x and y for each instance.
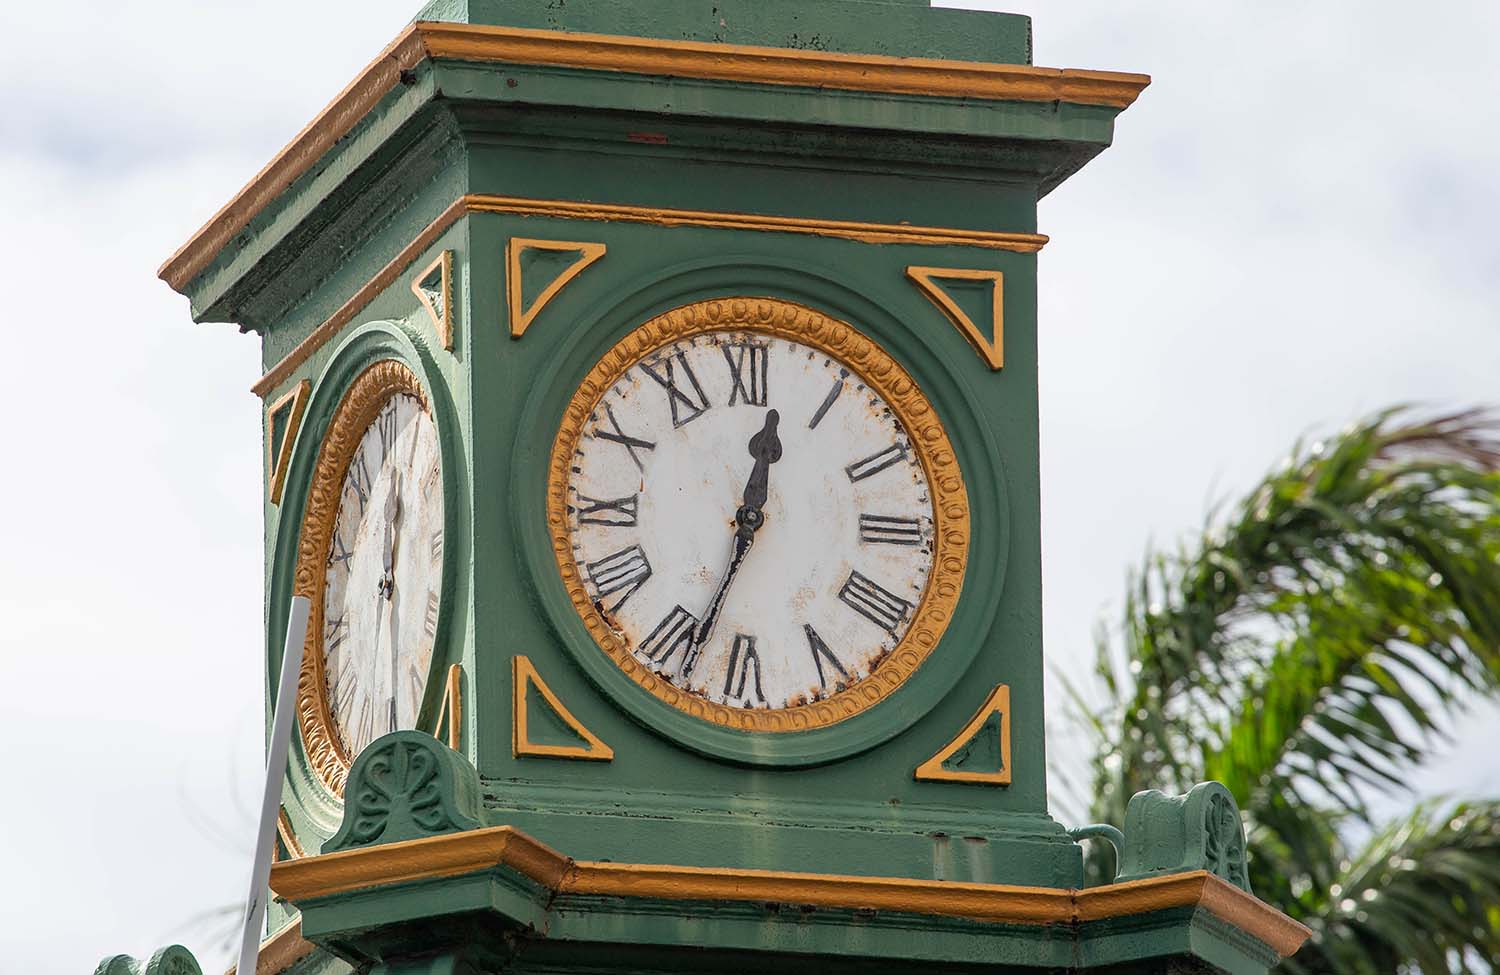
(1310, 652)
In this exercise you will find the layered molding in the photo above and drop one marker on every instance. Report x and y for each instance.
(639, 56)
(867, 233)
(457, 854)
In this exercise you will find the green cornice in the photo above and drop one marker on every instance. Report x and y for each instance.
(900, 28)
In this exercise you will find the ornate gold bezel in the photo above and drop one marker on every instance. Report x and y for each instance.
(883, 374)
(369, 392)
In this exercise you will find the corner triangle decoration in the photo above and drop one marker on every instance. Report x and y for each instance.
(522, 317)
(286, 411)
(990, 726)
(433, 287)
(988, 342)
(452, 709)
(525, 677)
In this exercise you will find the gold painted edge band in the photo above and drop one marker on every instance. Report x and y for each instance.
(280, 951)
(869, 233)
(929, 441)
(504, 846)
(727, 62)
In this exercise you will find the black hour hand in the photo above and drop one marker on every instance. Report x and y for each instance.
(765, 448)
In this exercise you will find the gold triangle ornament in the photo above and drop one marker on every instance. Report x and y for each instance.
(452, 709)
(283, 418)
(523, 678)
(522, 317)
(433, 287)
(989, 341)
(989, 729)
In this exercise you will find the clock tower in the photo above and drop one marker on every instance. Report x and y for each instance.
(651, 420)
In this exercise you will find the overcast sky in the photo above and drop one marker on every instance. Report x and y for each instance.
(1295, 226)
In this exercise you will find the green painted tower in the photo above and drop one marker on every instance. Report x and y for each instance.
(651, 419)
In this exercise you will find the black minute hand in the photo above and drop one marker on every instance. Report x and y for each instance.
(765, 447)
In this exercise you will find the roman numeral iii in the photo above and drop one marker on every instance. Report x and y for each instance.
(624, 572)
(887, 530)
(875, 603)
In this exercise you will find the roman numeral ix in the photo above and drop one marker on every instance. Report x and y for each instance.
(878, 605)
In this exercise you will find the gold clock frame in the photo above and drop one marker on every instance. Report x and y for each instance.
(376, 385)
(878, 370)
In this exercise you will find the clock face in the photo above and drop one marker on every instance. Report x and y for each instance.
(750, 518)
(383, 581)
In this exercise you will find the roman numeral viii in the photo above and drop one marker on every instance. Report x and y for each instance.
(624, 572)
(687, 402)
(878, 605)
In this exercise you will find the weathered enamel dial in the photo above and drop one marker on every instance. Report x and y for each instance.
(750, 518)
(372, 561)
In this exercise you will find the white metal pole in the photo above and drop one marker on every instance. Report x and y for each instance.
(270, 806)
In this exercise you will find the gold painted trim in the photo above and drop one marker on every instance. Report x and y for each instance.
(521, 318)
(386, 276)
(523, 676)
(363, 400)
(280, 951)
(684, 59)
(442, 323)
(932, 770)
(452, 708)
(455, 854)
(294, 400)
(866, 233)
(288, 835)
(992, 349)
(884, 375)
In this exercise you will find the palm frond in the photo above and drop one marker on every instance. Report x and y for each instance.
(1423, 895)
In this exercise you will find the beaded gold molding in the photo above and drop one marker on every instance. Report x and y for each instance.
(878, 370)
(370, 391)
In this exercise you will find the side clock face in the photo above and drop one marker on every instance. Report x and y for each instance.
(384, 579)
(371, 559)
(751, 519)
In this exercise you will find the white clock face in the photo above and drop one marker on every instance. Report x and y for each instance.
(751, 518)
(384, 578)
